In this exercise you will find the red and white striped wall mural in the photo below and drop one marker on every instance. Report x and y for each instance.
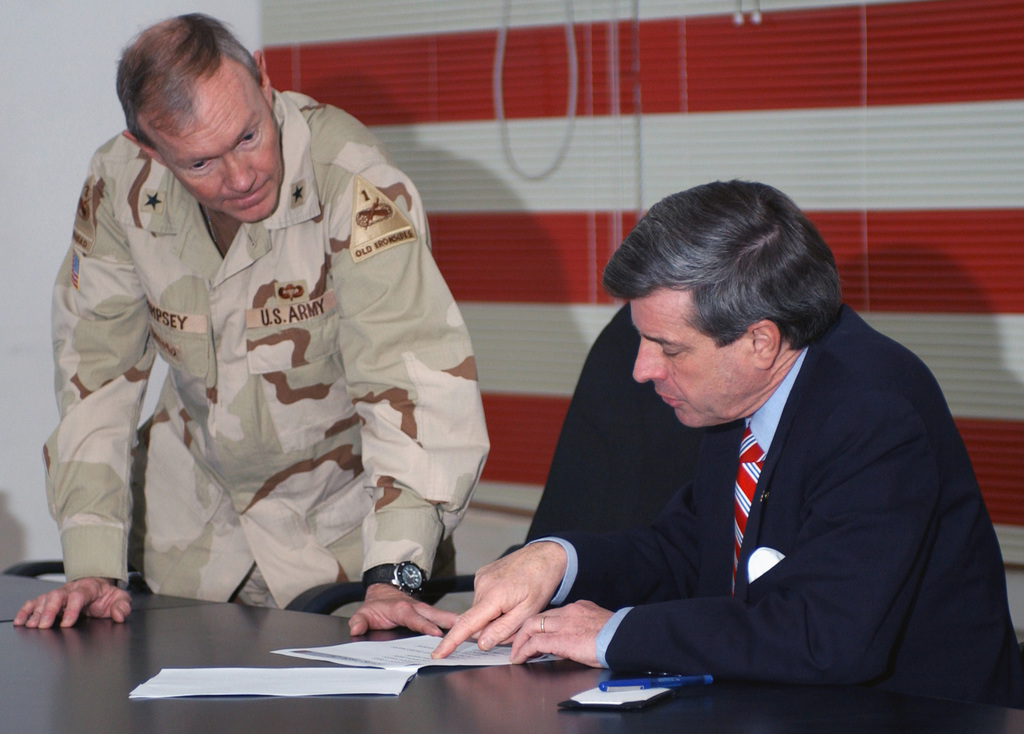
(899, 127)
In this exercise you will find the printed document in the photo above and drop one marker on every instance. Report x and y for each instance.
(333, 681)
(409, 652)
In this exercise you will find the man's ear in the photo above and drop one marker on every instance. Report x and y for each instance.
(766, 342)
(265, 86)
(148, 150)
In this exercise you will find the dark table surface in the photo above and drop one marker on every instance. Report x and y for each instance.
(16, 590)
(78, 680)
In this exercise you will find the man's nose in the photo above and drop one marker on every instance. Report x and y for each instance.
(646, 367)
(241, 175)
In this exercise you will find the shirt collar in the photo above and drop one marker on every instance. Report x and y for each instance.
(765, 420)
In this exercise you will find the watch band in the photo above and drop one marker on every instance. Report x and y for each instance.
(405, 576)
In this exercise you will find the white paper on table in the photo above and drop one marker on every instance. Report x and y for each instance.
(616, 697)
(180, 682)
(409, 652)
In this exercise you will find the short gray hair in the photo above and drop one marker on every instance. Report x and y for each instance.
(743, 251)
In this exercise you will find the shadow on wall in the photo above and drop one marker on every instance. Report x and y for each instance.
(955, 329)
(12, 534)
(491, 250)
(507, 255)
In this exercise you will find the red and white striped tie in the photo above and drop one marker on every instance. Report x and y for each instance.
(751, 459)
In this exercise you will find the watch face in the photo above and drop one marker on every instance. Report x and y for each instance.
(410, 576)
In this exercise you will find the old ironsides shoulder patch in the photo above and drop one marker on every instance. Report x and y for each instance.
(377, 223)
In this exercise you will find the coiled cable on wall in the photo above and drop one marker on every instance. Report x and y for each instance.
(498, 89)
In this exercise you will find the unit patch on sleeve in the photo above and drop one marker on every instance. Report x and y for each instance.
(377, 223)
(84, 233)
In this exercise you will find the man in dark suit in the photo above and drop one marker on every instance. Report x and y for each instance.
(853, 546)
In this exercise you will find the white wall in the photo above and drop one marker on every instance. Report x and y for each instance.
(58, 59)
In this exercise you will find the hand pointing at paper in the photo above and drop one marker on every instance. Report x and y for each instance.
(509, 595)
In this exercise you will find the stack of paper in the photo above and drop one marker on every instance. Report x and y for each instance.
(382, 668)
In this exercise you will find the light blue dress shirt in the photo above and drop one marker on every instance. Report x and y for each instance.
(763, 424)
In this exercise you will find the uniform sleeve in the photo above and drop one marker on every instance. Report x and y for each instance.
(410, 370)
(102, 364)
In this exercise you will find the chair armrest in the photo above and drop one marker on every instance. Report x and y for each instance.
(326, 598)
(35, 568)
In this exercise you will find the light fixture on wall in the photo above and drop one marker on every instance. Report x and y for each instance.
(755, 14)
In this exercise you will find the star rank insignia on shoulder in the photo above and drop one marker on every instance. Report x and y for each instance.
(377, 223)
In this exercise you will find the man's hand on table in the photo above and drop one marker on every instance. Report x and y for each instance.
(93, 597)
(507, 592)
(569, 632)
(386, 607)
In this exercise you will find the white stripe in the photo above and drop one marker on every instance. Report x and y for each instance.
(305, 21)
(532, 348)
(912, 157)
(978, 360)
(539, 349)
(1011, 543)
(509, 495)
(742, 500)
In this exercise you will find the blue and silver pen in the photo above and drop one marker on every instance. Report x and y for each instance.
(666, 681)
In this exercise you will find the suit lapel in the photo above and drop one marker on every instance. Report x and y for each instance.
(765, 488)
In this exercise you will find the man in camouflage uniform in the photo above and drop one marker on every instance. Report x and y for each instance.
(321, 417)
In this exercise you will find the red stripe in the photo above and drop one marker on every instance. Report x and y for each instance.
(961, 261)
(885, 54)
(995, 448)
(940, 261)
(793, 59)
(523, 431)
(527, 258)
(951, 51)
(946, 261)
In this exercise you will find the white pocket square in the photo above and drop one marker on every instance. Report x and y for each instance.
(761, 561)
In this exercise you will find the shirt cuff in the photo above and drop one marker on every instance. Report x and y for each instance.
(604, 637)
(571, 568)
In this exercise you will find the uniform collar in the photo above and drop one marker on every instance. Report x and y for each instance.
(178, 212)
(300, 199)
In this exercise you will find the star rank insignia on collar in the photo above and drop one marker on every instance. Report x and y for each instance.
(153, 201)
(298, 194)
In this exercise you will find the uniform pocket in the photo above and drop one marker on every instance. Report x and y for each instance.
(182, 339)
(295, 349)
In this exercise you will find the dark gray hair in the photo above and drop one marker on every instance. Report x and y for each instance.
(159, 68)
(743, 250)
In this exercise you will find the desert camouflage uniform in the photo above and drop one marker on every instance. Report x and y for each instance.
(321, 376)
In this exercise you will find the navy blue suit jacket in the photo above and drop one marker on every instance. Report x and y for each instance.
(892, 574)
